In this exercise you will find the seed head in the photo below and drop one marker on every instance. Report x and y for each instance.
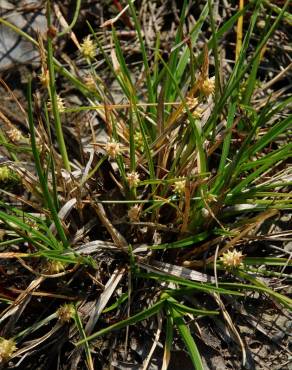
(45, 77)
(192, 102)
(90, 82)
(88, 48)
(133, 179)
(138, 139)
(194, 108)
(5, 173)
(55, 267)
(60, 105)
(7, 347)
(134, 213)
(179, 187)
(208, 86)
(14, 135)
(113, 149)
(231, 259)
(65, 313)
(197, 113)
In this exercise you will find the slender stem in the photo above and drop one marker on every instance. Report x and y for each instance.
(75, 17)
(53, 95)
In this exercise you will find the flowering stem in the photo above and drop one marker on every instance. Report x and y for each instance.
(43, 182)
(53, 95)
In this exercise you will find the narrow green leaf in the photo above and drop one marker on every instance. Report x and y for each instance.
(187, 338)
(204, 287)
(143, 315)
(168, 341)
(258, 287)
(47, 196)
(187, 242)
(118, 302)
(80, 328)
(183, 309)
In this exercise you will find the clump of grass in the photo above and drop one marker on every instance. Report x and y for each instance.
(191, 170)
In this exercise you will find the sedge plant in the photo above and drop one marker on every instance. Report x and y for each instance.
(191, 171)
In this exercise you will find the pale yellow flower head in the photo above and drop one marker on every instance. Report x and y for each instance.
(55, 267)
(14, 135)
(113, 149)
(192, 102)
(5, 173)
(134, 213)
(179, 187)
(138, 139)
(45, 77)
(208, 86)
(197, 113)
(193, 105)
(65, 313)
(232, 259)
(90, 82)
(133, 179)
(60, 105)
(7, 348)
(88, 48)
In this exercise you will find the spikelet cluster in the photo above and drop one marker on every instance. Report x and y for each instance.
(7, 348)
(113, 149)
(55, 267)
(208, 86)
(65, 313)
(44, 77)
(14, 135)
(60, 104)
(134, 213)
(138, 140)
(232, 259)
(133, 179)
(90, 82)
(5, 173)
(179, 187)
(88, 48)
